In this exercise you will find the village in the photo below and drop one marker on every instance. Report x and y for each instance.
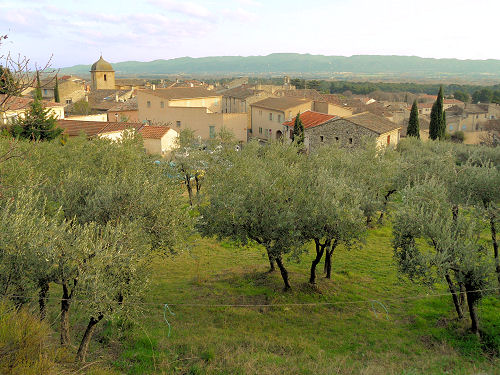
(107, 107)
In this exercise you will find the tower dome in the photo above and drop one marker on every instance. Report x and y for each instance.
(103, 75)
(101, 65)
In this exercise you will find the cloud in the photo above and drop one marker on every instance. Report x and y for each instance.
(251, 3)
(183, 7)
(240, 15)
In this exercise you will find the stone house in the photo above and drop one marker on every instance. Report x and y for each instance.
(426, 108)
(157, 140)
(194, 108)
(16, 106)
(268, 116)
(239, 99)
(127, 111)
(321, 129)
(71, 89)
(324, 103)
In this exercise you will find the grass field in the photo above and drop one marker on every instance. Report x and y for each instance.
(418, 335)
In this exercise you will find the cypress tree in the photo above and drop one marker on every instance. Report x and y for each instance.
(442, 130)
(437, 126)
(298, 130)
(413, 124)
(38, 90)
(57, 99)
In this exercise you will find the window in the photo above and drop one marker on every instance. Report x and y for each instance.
(464, 127)
(211, 131)
(178, 123)
(270, 133)
(45, 91)
(279, 118)
(162, 104)
(291, 133)
(270, 116)
(388, 139)
(337, 139)
(69, 101)
(260, 112)
(105, 78)
(321, 138)
(148, 104)
(350, 141)
(260, 130)
(451, 127)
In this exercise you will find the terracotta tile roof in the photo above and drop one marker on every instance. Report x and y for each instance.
(153, 132)
(311, 119)
(476, 108)
(129, 105)
(241, 92)
(445, 101)
(120, 126)
(281, 103)
(74, 128)
(375, 123)
(313, 95)
(15, 103)
(182, 93)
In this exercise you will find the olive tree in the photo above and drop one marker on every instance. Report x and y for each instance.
(253, 196)
(479, 185)
(114, 277)
(26, 247)
(433, 243)
(331, 211)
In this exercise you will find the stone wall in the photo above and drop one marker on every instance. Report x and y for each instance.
(339, 131)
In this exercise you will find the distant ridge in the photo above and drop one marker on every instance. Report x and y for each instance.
(306, 64)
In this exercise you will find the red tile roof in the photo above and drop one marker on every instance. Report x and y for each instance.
(74, 128)
(153, 132)
(15, 103)
(311, 119)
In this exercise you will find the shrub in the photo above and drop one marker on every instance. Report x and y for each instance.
(24, 343)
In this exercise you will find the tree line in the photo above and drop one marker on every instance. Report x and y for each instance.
(442, 196)
(82, 219)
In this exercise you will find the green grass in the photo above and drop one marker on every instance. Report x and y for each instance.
(418, 336)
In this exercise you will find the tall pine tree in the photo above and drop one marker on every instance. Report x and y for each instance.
(437, 126)
(413, 124)
(298, 130)
(57, 99)
(38, 124)
(38, 90)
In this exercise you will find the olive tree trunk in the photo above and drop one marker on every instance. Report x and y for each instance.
(320, 249)
(472, 299)
(454, 295)
(65, 305)
(42, 297)
(328, 259)
(87, 336)
(284, 272)
(495, 246)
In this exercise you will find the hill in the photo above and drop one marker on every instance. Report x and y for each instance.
(306, 64)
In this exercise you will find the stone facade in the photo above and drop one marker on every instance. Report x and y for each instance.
(346, 134)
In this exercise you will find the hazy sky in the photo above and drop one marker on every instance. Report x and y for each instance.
(76, 31)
